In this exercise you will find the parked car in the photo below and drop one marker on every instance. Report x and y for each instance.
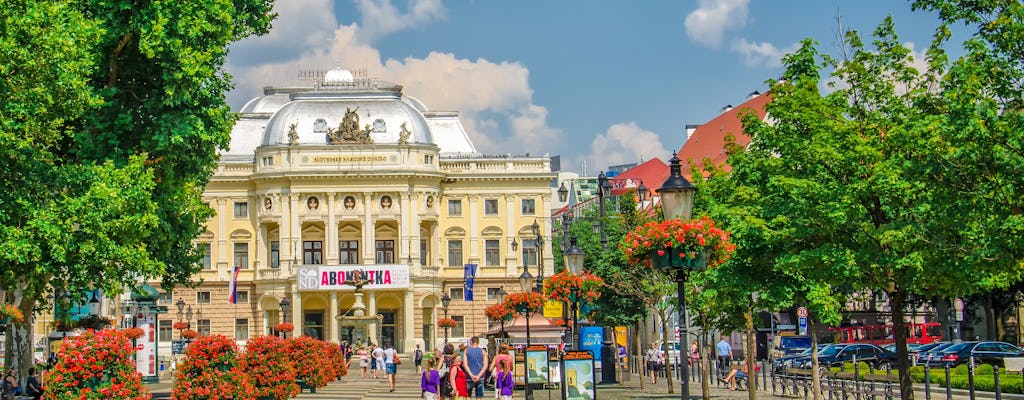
(781, 363)
(991, 353)
(787, 345)
(931, 356)
(877, 357)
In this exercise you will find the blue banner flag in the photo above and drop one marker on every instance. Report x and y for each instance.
(468, 273)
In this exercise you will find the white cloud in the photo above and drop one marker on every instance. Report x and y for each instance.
(380, 17)
(622, 144)
(494, 99)
(761, 54)
(707, 24)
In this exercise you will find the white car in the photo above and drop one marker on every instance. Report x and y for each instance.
(672, 353)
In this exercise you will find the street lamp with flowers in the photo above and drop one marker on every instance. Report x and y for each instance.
(445, 301)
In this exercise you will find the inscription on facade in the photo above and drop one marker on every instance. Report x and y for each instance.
(337, 159)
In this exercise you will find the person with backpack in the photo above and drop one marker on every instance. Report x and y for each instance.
(503, 383)
(430, 381)
(417, 359)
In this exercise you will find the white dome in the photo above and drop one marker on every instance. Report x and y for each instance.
(338, 75)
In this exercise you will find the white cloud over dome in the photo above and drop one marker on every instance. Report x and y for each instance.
(623, 144)
(707, 24)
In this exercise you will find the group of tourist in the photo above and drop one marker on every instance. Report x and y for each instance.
(379, 360)
(458, 373)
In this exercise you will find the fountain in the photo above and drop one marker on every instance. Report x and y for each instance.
(355, 319)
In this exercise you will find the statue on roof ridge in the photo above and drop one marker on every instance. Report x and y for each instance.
(348, 130)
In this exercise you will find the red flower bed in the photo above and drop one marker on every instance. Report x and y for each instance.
(189, 334)
(96, 365)
(285, 327)
(210, 371)
(447, 323)
(498, 312)
(134, 333)
(561, 286)
(270, 368)
(313, 364)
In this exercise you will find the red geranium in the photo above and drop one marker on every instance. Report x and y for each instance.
(210, 371)
(562, 285)
(498, 312)
(524, 300)
(447, 323)
(134, 333)
(9, 310)
(690, 239)
(96, 365)
(312, 362)
(285, 327)
(270, 369)
(180, 325)
(338, 359)
(189, 334)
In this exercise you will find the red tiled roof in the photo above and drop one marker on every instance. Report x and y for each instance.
(652, 173)
(708, 140)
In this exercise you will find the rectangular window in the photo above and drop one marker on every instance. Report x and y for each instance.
(423, 252)
(202, 297)
(241, 209)
(529, 252)
(165, 332)
(207, 260)
(428, 159)
(385, 252)
(492, 253)
(348, 252)
(241, 329)
(528, 207)
(241, 255)
(454, 253)
(455, 208)
(491, 207)
(492, 293)
(268, 161)
(166, 298)
(312, 252)
(456, 293)
(203, 327)
(242, 297)
(275, 254)
(460, 328)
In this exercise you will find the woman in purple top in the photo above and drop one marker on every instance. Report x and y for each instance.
(430, 381)
(503, 383)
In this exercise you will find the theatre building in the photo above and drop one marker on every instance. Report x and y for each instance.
(352, 178)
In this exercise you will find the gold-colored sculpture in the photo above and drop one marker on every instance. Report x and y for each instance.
(293, 136)
(403, 136)
(348, 130)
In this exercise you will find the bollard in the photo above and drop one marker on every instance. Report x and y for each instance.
(856, 377)
(970, 376)
(927, 383)
(949, 387)
(995, 379)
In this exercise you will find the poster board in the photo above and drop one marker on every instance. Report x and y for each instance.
(579, 375)
(537, 364)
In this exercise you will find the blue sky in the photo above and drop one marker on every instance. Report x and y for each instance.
(605, 82)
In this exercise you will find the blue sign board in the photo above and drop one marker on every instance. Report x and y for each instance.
(803, 325)
(591, 338)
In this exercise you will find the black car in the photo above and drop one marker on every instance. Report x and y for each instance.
(991, 353)
(781, 363)
(875, 356)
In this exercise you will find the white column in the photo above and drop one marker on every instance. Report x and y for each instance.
(371, 310)
(511, 256)
(296, 202)
(408, 327)
(261, 253)
(335, 336)
(223, 211)
(368, 228)
(473, 235)
(296, 311)
(284, 240)
(332, 231)
(414, 233)
(404, 252)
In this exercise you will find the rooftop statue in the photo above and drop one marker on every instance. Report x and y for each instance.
(403, 136)
(348, 130)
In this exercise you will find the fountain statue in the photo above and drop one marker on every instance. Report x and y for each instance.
(355, 319)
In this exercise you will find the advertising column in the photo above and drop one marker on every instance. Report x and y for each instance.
(145, 346)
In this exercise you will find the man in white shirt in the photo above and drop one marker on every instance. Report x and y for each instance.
(378, 356)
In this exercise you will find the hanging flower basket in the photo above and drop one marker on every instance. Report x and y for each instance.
(447, 323)
(567, 287)
(285, 327)
(180, 325)
(94, 322)
(524, 302)
(9, 311)
(671, 244)
(498, 312)
(189, 334)
(134, 333)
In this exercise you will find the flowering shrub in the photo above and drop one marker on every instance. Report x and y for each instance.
(675, 238)
(189, 334)
(564, 286)
(312, 361)
(210, 371)
(524, 301)
(447, 323)
(498, 312)
(95, 365)
(336, 358)
(12, 312)
(134, 333)
(285, 327)
(270, 369)
(180, 325)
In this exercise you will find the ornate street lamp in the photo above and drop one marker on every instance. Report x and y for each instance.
(181, 306)
(641, 193)
(677, 201)
(563, 193)
(445, 300)
(94, 305)
(574, 257)
(538, 244)
(526, 285)
(284, 313)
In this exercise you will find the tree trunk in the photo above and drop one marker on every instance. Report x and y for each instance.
(815, 369)
(19, 344)
(750, 353)
(705, 360)
(638, 351)
(942, 314)
(896, 300)
(990, 319)
(664, 344)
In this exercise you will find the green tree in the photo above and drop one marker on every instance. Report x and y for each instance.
(111, 114)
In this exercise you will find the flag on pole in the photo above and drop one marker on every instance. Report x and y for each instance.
(233, 285)
(468, 273)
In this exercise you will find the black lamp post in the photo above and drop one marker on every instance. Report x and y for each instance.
(500, 297)
(677, 200)
(539, 246)
(285, 304)
(563, 193)
(604, 191)
(445, 300)
(574, 263)
(181, 309)
(94, 305)
(526, 285)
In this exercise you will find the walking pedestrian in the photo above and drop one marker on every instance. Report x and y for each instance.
(364, 361)
(724, 352)
(654, 358)
(378, 358)
(430, 380)
(476, 367)
(503, 383)
(457, 378)
(502, 355)
(390, 364)
(417, 358)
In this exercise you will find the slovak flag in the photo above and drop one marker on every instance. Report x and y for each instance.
(233, 285)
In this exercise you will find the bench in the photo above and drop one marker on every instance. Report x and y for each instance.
(303, 386)
(879, 385)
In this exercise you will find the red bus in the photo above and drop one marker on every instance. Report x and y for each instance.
(917, 333)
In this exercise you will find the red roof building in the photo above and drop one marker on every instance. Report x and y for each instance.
(708, 140)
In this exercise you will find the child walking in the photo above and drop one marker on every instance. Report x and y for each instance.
(430, 381)
(503, 384)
